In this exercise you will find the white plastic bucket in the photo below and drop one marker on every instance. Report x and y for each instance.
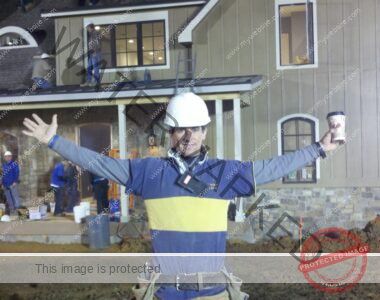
(86, 207)
(52, 207)
(78, 213)
(43, 210)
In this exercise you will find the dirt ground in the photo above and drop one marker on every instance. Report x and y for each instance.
(370, 235)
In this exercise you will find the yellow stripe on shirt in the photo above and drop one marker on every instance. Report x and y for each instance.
(187, 214)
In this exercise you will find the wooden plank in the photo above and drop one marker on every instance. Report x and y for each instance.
(215, 42)
(261, 128)
(219, 128)
(290, 96)
(320, 111)
(260, 54)
(336, 103)
(322, 36)
(335, 42)
(367, 39)
(230, 40)
(369, 124)
(228, 129)
(276, 112)
(353, 128)
(244, 57)
(306, 99)
(351, 35)
(201, 46)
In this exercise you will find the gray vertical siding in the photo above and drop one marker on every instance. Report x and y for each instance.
(355, 47)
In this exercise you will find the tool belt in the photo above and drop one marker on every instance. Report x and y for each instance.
(193, 281)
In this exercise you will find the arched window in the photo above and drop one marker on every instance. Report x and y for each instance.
(298, 131)
(12, 37)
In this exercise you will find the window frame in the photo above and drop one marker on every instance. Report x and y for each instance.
(132, 18)
(280, 141)
(23, 33)
(278, 3)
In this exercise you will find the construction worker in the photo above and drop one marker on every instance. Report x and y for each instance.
(94, 55)
(57, 182)
(186, 196)
(10, 180)
(100, 190)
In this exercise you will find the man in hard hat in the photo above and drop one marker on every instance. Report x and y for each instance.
(186, 196)
(10, 180)
(94, 55)
(41, 72)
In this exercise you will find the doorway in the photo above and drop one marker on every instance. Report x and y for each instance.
(96, 137)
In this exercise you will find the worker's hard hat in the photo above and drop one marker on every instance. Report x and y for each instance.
(88, 23)
(7, 153)
(44, 55)
(187, 110)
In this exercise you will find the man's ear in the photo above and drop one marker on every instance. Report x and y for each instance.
(204, 134)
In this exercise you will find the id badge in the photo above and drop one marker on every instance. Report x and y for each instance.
(192, 183)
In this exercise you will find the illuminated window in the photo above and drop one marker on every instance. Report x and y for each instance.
(296, 34)
(133, 44)
(12, 37)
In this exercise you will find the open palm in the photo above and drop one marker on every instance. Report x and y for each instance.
(39, 129)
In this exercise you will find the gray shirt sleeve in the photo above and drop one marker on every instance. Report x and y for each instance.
(114, 169)
(272, 169)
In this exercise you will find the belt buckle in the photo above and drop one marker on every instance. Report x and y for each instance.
(178, 277)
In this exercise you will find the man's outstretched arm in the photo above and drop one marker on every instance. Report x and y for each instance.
(114, 169)
(269, 170)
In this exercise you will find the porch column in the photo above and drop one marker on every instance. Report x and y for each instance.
(123, 155)
(237, 133)
(219, 129)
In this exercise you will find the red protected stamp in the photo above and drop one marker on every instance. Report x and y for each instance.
(353, 250)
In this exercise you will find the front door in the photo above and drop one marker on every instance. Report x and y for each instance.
(96, 137)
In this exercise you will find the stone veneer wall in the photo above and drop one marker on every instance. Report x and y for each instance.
(320, 208)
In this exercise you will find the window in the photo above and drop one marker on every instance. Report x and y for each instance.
(296, 34)
(137, 43)
(298, 131)
(12, 37)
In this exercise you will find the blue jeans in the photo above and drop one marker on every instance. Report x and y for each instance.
(73, 198)
(42, 83)
(93, 64)
(12, 196)
(58, 197)
(101, 195)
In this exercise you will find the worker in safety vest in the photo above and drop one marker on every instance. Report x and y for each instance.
(186, 196)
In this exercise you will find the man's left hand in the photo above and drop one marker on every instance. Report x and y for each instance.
(14, 183)
(325, 141)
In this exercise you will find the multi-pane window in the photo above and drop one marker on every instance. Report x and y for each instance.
(298, 133)
(296, 33)
(133, 44)
(12, 40)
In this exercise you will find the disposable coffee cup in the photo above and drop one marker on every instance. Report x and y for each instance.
(334, 119)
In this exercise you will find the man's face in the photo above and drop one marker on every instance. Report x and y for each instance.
(90, 28)
(188, 140)
(8, 158)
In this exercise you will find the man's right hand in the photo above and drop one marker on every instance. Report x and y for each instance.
(39, 129)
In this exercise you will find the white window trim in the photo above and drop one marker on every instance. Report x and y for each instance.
(130, 18)
(23, 33)
(304, 116)
(315, 27)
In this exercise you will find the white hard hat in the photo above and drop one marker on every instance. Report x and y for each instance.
(7, 153)
(187, 110)
(88, 23)
(5, 218)
(44, 55)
